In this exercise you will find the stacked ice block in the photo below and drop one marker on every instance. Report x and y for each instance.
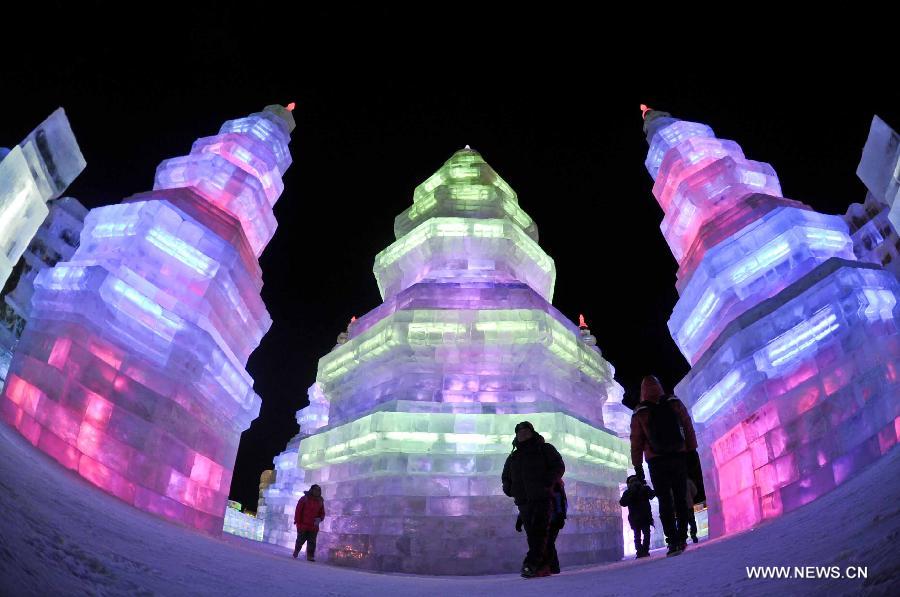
(422, 397)
(38, 169)
(56, 240)
(793, 343)
(131, 370)
(242, 524)
(874, 224)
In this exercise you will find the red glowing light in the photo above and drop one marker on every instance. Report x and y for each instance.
(290, 107)
(353, 318)
(644, 109)
(581, 322)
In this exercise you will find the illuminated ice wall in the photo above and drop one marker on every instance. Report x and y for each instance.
(793, 342)
(34, 171)
(413, 413)
(131, 369)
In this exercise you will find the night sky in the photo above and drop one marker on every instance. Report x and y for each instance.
(568, 140)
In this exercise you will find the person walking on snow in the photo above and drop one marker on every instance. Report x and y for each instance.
(637, 498)
(309, 513)
(662, 432)
(530, 475)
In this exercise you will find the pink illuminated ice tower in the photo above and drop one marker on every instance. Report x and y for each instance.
(793, 343)
(131, 370)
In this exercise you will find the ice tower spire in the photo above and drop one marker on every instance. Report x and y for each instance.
(132, 368)
(781, 324)
(423, 397)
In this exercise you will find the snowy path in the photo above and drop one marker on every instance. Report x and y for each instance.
(60, 536)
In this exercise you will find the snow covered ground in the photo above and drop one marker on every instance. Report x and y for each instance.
(60, 536)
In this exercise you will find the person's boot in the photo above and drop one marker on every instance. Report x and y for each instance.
(310, 558)
(675, 549)
(295, 554)
(694, 538)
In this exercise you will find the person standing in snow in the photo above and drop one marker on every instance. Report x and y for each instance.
(530, 475)
(662, 432)
(309, 513)
(691, 500)
(637, 498)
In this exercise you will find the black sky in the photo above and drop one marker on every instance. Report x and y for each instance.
(565, 133)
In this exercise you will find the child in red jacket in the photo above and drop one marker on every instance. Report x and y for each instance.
(309, 513)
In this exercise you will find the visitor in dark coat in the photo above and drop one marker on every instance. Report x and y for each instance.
(529, 476)
(309, 513)
(637, 498)
(662, 432)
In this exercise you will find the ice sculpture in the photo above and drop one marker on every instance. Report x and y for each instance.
(413, 412)
(131, 370)
(31, 173)
(793, 342)
(874, 224)
(242, 524)
(56, 240)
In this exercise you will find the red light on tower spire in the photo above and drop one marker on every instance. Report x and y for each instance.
(581, 322)
(290, 107)
(644, 109)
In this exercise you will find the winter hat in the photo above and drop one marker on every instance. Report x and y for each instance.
(523, 425)
(651, 389)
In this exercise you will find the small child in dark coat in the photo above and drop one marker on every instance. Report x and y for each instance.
(637, 499)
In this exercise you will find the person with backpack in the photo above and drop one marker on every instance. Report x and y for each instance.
(532, 476)
(637, 498)
(662, 432)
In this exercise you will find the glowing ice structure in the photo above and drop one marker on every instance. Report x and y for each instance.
(242, 524)
(412, 416)
(131, 370)
(38, 169)
(794, 344)
(875, 223)
(55, 241)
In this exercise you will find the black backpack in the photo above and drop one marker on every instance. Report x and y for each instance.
(664, 426)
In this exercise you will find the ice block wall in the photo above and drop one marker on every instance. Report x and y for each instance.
(242, 524)
(131, 370)
(55, 241)
(874, 224)
(423, 394)
(793, 342)
(31, 173)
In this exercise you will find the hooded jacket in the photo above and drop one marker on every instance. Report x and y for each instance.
(308, 509)
(532, 470)
(637, 499)
(651, 392)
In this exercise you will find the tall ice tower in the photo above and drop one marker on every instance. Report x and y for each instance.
(413, 413)
(793, 343)
(131, 369)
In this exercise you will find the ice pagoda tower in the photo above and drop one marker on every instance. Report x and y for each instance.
(131, 369)
(423, 393)
(793, 343)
